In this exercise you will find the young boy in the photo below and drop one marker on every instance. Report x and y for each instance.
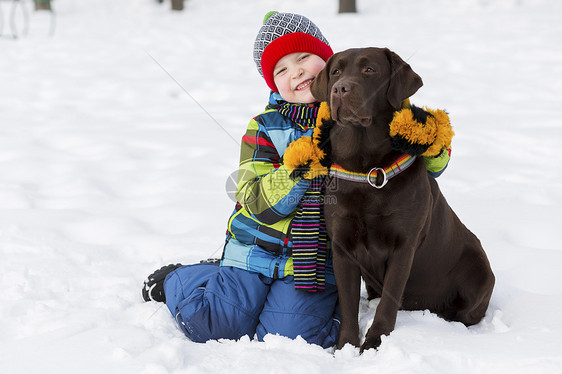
(253, 290)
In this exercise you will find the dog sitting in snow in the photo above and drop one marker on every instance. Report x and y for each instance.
(390, 223)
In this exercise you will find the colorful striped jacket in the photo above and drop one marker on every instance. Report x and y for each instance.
(258, 235)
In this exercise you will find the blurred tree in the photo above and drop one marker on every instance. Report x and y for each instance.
(42, 4)
(177, 4)
(347, 6)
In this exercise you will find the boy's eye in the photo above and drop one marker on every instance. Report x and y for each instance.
(280, 71)
(302, 57)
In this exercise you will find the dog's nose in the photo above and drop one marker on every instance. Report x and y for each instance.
(341, 89)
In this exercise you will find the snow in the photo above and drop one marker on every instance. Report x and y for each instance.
(118, 135)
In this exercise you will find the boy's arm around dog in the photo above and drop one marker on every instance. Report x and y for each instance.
(264, 186)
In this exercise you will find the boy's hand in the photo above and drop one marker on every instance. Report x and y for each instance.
(418, 131)
(302, 158)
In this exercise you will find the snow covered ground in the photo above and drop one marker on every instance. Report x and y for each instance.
(109, 169)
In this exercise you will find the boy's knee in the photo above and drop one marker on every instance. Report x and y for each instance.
(204, 316)
(315, 330)
(211, 302)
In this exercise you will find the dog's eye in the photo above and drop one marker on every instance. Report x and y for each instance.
(336, 72)
(369, 69)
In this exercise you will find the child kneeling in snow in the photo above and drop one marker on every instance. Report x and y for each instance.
(259, 287)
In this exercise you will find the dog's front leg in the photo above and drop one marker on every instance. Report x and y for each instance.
(348, 280)
(397, 274)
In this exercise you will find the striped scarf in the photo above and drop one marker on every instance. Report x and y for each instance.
(310, 240)
(303, 114)
(308, 228)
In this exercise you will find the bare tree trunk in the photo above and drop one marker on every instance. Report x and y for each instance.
(42, 4)
(177, 4)
(347, 6)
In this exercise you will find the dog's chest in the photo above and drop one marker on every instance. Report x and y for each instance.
(361, 217)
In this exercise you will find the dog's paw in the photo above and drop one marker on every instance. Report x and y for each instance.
(370, 342)
(343, 340)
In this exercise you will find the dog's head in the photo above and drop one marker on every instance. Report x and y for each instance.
(360, 83)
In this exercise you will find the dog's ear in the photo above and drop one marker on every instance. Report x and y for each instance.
(319, 87)
(404, 82)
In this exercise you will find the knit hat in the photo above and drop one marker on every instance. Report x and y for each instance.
(283, 34)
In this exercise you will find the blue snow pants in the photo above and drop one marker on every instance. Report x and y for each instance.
(211, 302)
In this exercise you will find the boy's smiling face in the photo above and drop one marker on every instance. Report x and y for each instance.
(293, 75)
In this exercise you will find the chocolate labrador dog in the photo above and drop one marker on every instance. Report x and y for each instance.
(403, 239)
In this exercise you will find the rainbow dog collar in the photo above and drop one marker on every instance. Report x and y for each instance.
(398, 166)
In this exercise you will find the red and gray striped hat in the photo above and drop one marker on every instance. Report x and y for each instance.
(283, 34)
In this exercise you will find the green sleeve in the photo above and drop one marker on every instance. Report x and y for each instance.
(264, 187)
(436, 165)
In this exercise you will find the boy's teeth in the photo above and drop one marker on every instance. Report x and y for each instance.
(304, 84)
